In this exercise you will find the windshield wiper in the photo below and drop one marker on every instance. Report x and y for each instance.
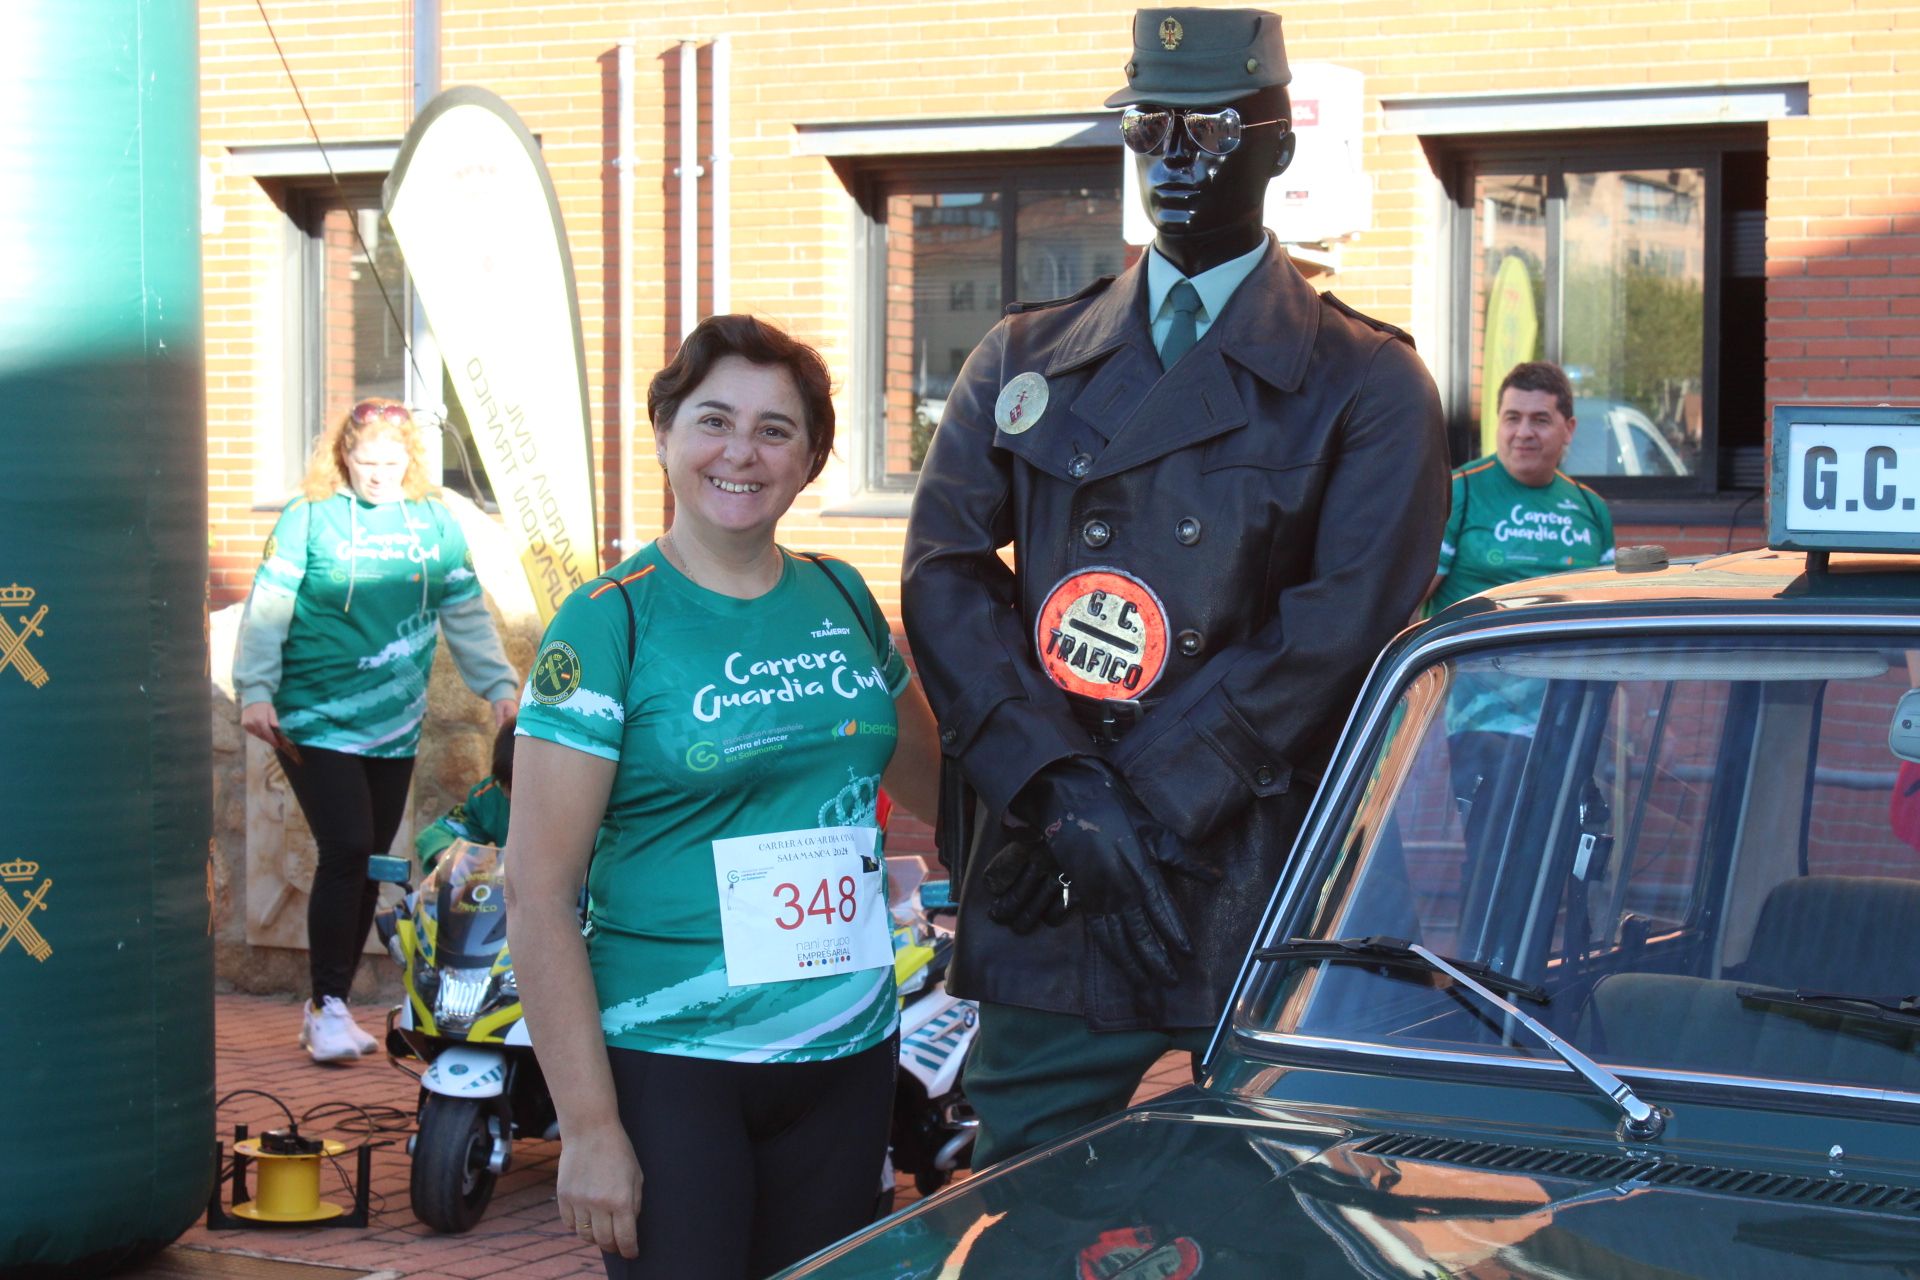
(1380, 949)
(1641, 1122)
(1900, 1011)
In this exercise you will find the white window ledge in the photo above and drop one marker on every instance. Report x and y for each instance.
(1535, 111)
(957, 134)
(306, 160)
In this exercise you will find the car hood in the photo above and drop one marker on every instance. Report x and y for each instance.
(1222, 1190)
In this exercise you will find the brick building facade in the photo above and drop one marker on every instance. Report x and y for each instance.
(1702, 207)
(1796, 119)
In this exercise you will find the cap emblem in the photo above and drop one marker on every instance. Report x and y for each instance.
(1171, 33)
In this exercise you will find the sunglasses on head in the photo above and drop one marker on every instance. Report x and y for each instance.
(1147, 130)
(367, 410)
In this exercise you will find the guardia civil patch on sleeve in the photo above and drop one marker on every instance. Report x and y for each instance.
(556, 673)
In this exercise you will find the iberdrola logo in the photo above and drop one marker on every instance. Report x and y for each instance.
(556, 673)
(846, 728)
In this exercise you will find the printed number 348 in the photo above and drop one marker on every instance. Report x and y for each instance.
(822, 903)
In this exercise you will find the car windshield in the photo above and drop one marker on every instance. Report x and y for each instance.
(1701, 852)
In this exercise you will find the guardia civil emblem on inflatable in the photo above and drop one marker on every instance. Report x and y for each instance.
(16, 917)
(13, 644)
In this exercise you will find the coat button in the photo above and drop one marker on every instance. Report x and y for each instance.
(1187, 532)
(1079, 466)
(1263, 776)
(1191, 643)
(1096, 533)
(948, 737)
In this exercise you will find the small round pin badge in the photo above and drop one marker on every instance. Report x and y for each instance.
(1021, 403)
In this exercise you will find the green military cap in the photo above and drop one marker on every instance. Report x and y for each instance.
(1202, 57)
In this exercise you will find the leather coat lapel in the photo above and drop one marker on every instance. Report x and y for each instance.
(1195, 401)
(1268, 329)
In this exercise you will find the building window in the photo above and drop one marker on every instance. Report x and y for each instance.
(1617, 261)
(948, 248)
(348, 336)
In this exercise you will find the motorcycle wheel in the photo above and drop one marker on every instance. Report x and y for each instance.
(928, 1181)
(451, 1182)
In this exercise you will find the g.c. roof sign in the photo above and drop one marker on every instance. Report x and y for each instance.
(1844, 478)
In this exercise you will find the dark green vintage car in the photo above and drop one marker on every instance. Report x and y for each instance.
(1599, 957)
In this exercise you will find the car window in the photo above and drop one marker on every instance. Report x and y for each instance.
(1858, 788)
(1651, 459)
(1595, 447)
(1649, 831)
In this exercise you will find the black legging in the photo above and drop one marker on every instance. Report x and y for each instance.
(749, 1167)
(354, 805)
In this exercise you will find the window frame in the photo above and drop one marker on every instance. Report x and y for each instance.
(1461, 159)
(1006, 173)
(294, 394)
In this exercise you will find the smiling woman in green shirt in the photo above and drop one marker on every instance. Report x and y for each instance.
(719, 713)
(362, 573)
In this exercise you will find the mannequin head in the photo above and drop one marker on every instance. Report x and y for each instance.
(1207, 207)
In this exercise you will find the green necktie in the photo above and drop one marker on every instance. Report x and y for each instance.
(1182, 333)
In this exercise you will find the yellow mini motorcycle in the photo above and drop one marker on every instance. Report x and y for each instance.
(482, 1086)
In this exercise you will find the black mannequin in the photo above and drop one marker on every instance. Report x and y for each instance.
(1208, 209)
(1287, 464)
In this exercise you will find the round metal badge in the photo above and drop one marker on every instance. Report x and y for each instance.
(1102, 633)
(1021, 403)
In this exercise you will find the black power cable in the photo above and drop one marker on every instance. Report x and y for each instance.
(366, 253)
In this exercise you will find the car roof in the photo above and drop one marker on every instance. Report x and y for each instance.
(1748, 583)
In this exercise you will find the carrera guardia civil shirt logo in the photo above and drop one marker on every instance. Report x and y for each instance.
(556, 674)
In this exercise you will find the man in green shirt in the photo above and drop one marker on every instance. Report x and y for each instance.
(1515, 515)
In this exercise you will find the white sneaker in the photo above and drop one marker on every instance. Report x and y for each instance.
(328, 1033)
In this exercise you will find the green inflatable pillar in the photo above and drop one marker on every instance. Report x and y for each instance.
(106, 961)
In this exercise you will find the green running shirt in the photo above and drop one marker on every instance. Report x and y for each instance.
(359, 588)
(1502, 531)
(479, 819)
(726, 718)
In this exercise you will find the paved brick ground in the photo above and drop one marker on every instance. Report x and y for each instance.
(257, 1048)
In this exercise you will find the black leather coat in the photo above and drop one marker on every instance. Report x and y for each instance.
(1282, 492)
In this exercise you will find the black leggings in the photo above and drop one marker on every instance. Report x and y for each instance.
(354, 805)
(750, 1167)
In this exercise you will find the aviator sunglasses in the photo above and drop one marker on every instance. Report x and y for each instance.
(1215, 132)
(367, 410)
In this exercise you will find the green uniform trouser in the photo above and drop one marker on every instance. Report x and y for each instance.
(1034, 1076)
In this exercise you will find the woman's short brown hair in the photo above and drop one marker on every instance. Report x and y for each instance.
(756, 342)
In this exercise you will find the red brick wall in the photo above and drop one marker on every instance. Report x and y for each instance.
(1844, 185)
(1843, 296)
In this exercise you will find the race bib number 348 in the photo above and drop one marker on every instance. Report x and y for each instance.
(801, 904)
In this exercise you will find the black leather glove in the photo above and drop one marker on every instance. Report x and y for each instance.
(1026, 884)
(1111, 850)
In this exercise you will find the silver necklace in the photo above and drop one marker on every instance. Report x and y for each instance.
(678, 559)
